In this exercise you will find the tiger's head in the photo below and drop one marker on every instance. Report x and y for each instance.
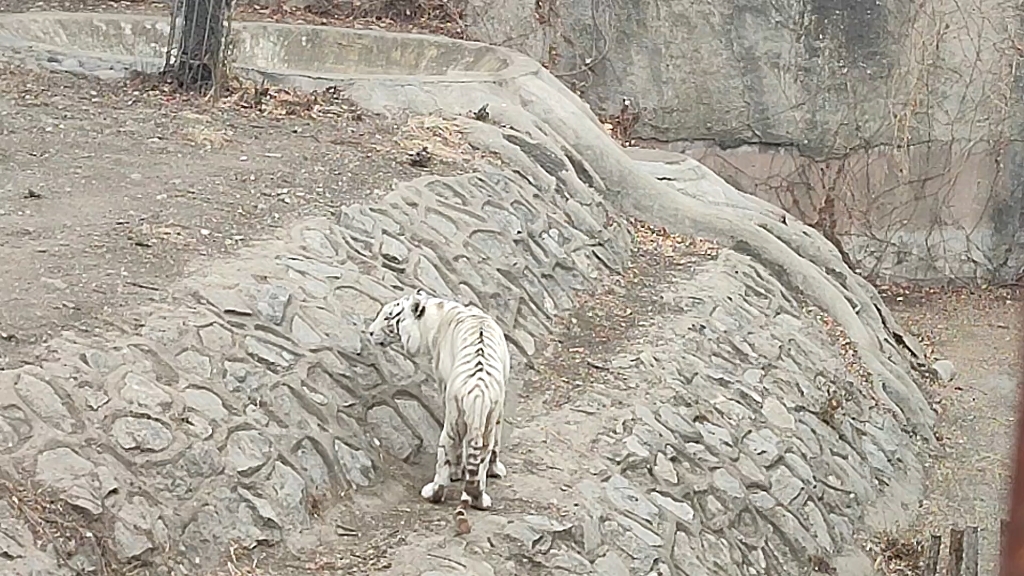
(398, 320)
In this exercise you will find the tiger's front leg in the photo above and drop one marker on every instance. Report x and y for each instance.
(446, 449)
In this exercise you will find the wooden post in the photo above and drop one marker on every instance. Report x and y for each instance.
(970, 551)
(956, 552)
(1012, 546)
(931, 559)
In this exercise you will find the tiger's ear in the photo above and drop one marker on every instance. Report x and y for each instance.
(418, 305)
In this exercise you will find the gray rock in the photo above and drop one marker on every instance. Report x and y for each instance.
(523, 534)
(318, 242)
(664, 470)
(202, 460)
(272, 302)
(611, 564)
(777, 414)
(10, 549)
(313, 268)
(393, 251)
(15, 427)
(761, 446)
(686, 557)
(143, 393)
(133, 433)
(82, 498)
(41, 398)
(61, 466)
(423, 423)
(793, 531)
(215, 338)
(716, 553)
(944, 370)
(109, 74)
(728, 483)
(263, 508)
(227, 301)
(357, 466)
(718, 440)
(303, 332)
(622, 494)
(570, 562)
(749, 473)
(205, 402)
(247, 450)
(816, 521)
(680, 510)
(877, 458)
(195, 363)
(762, 500)
(242, 378)
(785, 486)
(269, 353)
(128, 543)
(392, 432)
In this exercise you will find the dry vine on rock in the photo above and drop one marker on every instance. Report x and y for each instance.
(442, 17)
(898, 556)
(81, 541)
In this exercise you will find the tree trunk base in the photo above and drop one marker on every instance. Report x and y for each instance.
(191, 76)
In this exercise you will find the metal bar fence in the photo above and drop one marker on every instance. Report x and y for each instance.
(197, 45)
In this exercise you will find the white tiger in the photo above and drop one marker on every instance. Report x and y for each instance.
(470, 360)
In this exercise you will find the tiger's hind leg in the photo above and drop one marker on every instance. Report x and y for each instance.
(447, 448)
(496, 468)
(458, 472)
(474, 492)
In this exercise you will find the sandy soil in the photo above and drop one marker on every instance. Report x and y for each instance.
(980, 333)
(107, 194)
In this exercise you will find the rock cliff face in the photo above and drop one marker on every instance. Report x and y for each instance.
(908, 114)
(728, 432)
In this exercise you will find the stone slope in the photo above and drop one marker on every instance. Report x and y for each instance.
(251, 411)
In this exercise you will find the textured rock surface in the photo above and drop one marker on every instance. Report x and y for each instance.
(796, 100)
(250, 412)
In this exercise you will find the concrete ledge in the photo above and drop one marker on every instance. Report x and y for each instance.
(325, 53)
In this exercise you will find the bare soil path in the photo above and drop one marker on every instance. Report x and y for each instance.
(108, 193)
(980, 333)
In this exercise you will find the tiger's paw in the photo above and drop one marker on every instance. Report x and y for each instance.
(496, 470)
(432, 492)
(484, 503)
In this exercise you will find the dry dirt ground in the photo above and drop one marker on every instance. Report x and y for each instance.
(980, 333)
(107, 193)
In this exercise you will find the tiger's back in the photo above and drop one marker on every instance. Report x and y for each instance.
(470, 359)
(472, 362)
(470, 343)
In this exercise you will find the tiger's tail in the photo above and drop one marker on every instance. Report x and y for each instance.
(475, 412)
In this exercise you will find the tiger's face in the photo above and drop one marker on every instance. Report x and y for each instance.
(394, 318)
